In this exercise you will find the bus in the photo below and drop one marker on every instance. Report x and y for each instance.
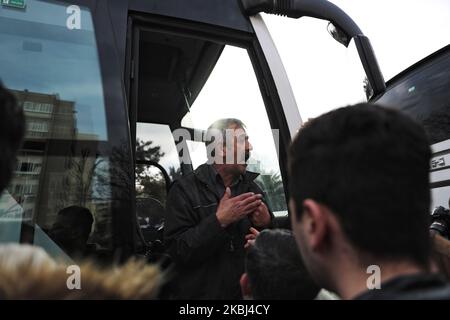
(110, 89)
(422, 91)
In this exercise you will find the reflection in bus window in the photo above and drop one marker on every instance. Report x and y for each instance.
(54, 72)
(425, 95)
(156, 161)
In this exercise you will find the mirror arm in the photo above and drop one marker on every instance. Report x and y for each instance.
(323, 9)
(370, 64)
(320, 9)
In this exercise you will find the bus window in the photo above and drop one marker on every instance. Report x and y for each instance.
(61, 184)
(424, 94)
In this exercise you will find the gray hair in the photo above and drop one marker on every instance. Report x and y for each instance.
(218, 129)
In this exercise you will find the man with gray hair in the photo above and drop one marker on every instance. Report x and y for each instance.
(209, 212)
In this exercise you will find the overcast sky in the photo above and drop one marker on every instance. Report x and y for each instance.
(401, 31)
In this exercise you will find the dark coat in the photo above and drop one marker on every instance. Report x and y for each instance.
(410, 287)
(209, 259)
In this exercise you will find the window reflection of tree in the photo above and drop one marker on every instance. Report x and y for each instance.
(272, 185)
(149, 183)
(94, 180)
(86, 183)
(175, 173)
(77, 186)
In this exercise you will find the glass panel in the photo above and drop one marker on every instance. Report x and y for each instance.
(151, 194)
(197, 151)
(424, 94)
(157, 164)
(150, 183)
(52, 66)
(154, 142)
(11, 214)
(61, 185)
(440, 197)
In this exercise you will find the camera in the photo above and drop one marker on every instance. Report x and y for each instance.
(440, 221)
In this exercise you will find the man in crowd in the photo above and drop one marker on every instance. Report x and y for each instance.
(360, 204)
(274, 269)
(209, 212)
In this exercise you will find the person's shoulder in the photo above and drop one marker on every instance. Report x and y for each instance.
(186, 179)
(184, 183)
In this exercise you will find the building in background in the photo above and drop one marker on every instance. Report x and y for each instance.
(45, 156)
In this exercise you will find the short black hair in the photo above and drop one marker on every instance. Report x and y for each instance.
(72, 226)
(12, 130)
(370, 166)
(275, 268)
(75, 217)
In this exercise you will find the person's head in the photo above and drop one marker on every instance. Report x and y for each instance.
(12, 130)
(29, 273)
(360, 189)
(228, 145)
(72, 228)
(275, 269)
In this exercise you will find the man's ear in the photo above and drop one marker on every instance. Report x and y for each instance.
(245, 286)
(315, 224)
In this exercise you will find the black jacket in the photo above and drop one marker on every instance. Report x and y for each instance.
(410, 287)
(209, 259)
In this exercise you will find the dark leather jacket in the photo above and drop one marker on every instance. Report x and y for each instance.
(209, 259)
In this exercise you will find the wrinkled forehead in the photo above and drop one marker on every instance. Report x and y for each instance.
(236, 130)
(233, 131)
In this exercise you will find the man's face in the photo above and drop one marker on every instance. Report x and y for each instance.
(236, 151)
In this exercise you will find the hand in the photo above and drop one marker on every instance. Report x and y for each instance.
(260, 217)
(250, 238)
(234, 209)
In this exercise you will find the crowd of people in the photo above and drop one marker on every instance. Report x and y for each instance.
(359, 209)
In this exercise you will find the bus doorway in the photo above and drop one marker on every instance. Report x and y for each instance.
(183, 77)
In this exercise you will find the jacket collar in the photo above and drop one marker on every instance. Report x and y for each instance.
(202, 174)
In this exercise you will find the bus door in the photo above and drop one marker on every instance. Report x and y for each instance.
(184, 75)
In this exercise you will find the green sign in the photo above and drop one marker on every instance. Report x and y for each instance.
(20, 4)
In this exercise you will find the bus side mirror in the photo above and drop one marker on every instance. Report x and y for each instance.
(338, 34)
